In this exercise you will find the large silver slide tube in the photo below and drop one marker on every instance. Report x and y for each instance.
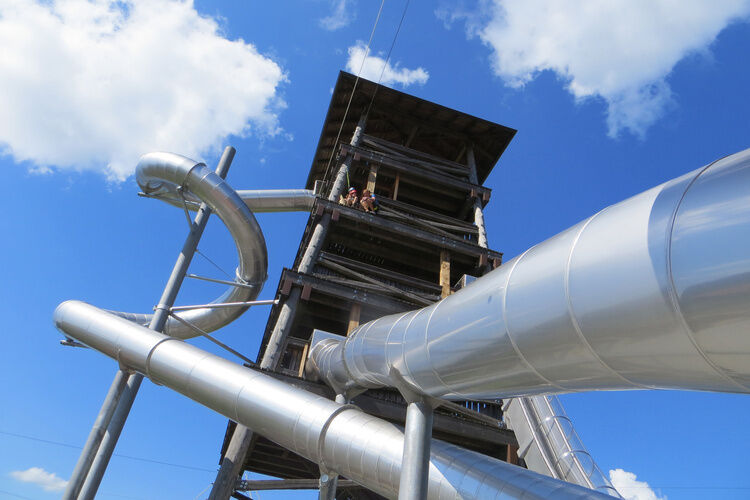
(158, 173)
(650, 293)
(340, 437)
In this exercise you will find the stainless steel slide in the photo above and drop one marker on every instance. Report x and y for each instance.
(340, 437)
(185, 183)
(648, 293)
(549, 444)
(651, 292)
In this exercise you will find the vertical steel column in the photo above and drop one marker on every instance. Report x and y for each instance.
(95, 436)
(91, 476)
(478, 214)
(230, 465)
(415, 466)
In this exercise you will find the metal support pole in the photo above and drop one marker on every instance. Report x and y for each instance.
(118, 411)
(478, 214)
(415, 467)
(96, 435)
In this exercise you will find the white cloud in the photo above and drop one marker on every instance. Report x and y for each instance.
(620, 50)
(339, 17)
(631, 489)
(49, 481)
(373, 66)
(93, 84)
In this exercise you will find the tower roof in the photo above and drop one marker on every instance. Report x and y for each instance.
(400, 118)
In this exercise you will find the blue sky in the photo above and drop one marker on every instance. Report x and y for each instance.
(609, 99)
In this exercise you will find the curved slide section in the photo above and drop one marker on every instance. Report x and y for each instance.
(159, 173)
(649, 293)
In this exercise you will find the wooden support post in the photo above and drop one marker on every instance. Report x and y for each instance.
(445, 273)
(395, 186)
(372, 177)
(302, 361)
(354, 317)
(478, 215)
(232, 464)
(512, 454)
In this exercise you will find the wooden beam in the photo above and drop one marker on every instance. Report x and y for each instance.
(412, 170)
(303, 360)
(367, 279)
(413, 153)
(426, 214)
(445, 273)
(413, 233)
(379, 301)
(375, 271)
(411, 157)
(512, 454)
(372, 177)
(354, 314)
(459, 429)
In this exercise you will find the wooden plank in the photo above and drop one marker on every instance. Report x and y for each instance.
(512, 454)
(392, 215)
(411, 170)
(354, 314)
(409, 152)
(423, 213)
(372, 177)
(432, 166)
(410, 232)
(384, 273)
(367, 279)
(303, 360)
(445, 273)
(376, 300)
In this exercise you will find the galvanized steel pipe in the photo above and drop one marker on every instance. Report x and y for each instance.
(257, 200)
(650, 293)
(356, 445)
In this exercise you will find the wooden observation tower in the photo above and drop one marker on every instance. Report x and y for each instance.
(426, 164)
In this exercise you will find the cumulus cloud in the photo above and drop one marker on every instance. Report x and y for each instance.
(93, 84)
(49, 481)
(373, 66)
(340, 16)
(630, 488)
(621, 51)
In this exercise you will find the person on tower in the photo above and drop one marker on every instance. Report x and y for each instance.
(368, 202)
(351, 198)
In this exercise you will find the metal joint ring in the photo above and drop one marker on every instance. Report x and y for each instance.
(324, 430)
